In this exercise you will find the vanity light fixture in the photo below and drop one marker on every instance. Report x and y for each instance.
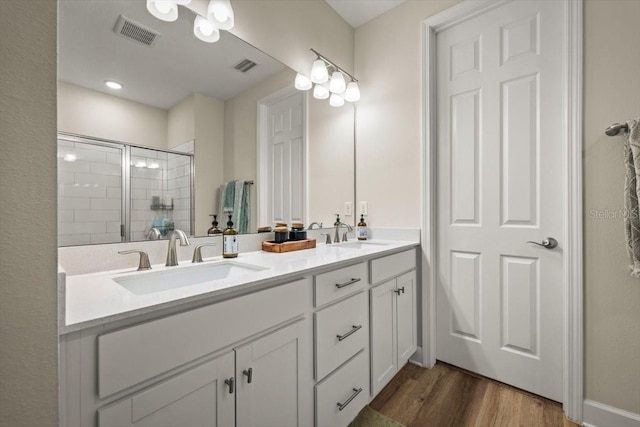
(219, 16)
(336, 88)
(320, 91)
(302, 82)
(113, 85)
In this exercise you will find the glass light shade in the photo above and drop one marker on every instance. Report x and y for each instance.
(336, 100)
(205, 30)
(165, 10)
(303, 82)
(221, 12)
(183, 2)
(320, 92)
(319, 73)
(337, 83)
(352, 94)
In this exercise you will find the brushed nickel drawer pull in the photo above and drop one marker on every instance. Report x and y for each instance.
(249, 374)
(350, 282)
(356, 392)
(353, 330)
(230, 382)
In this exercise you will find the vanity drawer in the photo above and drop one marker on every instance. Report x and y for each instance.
(393, 265)
(136, 354)
(342, 330)
(335, 284)
(340, 397)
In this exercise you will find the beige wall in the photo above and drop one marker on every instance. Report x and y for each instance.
(28, 312)
(388, 55)
(612, 297)
(286, 29)
(89, 113)
(181, 125)
(209, 142)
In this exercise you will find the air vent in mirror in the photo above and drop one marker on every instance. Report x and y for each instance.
(245, 65)
(134, 31)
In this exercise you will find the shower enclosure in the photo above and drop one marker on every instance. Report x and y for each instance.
(114, 192)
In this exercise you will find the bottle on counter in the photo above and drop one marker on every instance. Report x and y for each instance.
(361, 229)
(230, 241)
(214, 230)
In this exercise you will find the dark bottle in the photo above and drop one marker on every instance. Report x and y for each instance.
(214, 230)
(361, 229)
(230, 241)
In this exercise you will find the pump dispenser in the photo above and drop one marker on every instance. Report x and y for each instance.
(361, 229)
(214, 230)
(230, 241)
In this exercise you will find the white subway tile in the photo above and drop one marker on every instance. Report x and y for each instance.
(98, 216)
(73, 203)
(106, 169)
(81, 191)
(74, 239)
(106, 238)
(113, 227)
(114, 193)
(106, 204)
(65, 215)
(77, 166)
(81, 227)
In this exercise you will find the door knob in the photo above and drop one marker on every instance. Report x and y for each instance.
(548, 243)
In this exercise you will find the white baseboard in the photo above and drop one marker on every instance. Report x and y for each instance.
(596, 414)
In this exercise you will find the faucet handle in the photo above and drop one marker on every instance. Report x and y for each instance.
(197, 252)
(144, 263)
(328, 241)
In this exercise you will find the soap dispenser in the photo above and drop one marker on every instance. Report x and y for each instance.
(230, 241)
(214, 230)
(361, 229)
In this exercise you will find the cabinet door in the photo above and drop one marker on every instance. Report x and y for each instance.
(407, 329)
(196, 398)
(267, 370)
(384, 363)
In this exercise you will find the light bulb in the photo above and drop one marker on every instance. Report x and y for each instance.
(302, 82)
(320, 92)
(221, 13)
(319, 73)
(337, 83)
(205, 30)
(336, 100)
(113, 85)
(352, 94)
(166, 10)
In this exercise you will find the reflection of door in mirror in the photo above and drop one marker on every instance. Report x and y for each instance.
(112, 192)
(282, 158)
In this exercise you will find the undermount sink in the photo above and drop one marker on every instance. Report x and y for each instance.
(152, 282)
(360, 245)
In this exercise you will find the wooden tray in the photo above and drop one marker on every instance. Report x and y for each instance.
(296, 245)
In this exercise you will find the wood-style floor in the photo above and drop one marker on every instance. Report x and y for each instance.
(447, 396)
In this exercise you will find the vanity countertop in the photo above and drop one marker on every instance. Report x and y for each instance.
(96, 299)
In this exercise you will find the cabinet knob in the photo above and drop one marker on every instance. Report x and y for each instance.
(249, 374)
(231, 383)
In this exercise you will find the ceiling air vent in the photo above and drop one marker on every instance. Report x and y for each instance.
(245, 65)
(134, 31)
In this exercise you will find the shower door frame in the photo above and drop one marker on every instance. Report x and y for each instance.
(125, 148)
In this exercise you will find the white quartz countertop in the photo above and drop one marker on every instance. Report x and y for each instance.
(96, 299)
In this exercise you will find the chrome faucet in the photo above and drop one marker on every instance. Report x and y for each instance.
(310, 227)
(153, 234)
(344, 235)
(172, 256)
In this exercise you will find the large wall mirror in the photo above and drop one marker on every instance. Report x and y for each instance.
(196, 129)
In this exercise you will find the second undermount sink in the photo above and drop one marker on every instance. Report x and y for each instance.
(360, 245)
(152, 282)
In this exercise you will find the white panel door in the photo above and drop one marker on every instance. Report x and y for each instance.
(500, 156)
(267, 373)
(197, 398)
(286, 160)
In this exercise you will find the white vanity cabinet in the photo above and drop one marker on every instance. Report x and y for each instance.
(289, 353)
(394, 324)
(199, 397)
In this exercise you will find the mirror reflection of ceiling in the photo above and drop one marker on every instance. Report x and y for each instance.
(90, 52)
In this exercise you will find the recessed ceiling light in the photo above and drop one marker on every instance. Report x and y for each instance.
(113, 85)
